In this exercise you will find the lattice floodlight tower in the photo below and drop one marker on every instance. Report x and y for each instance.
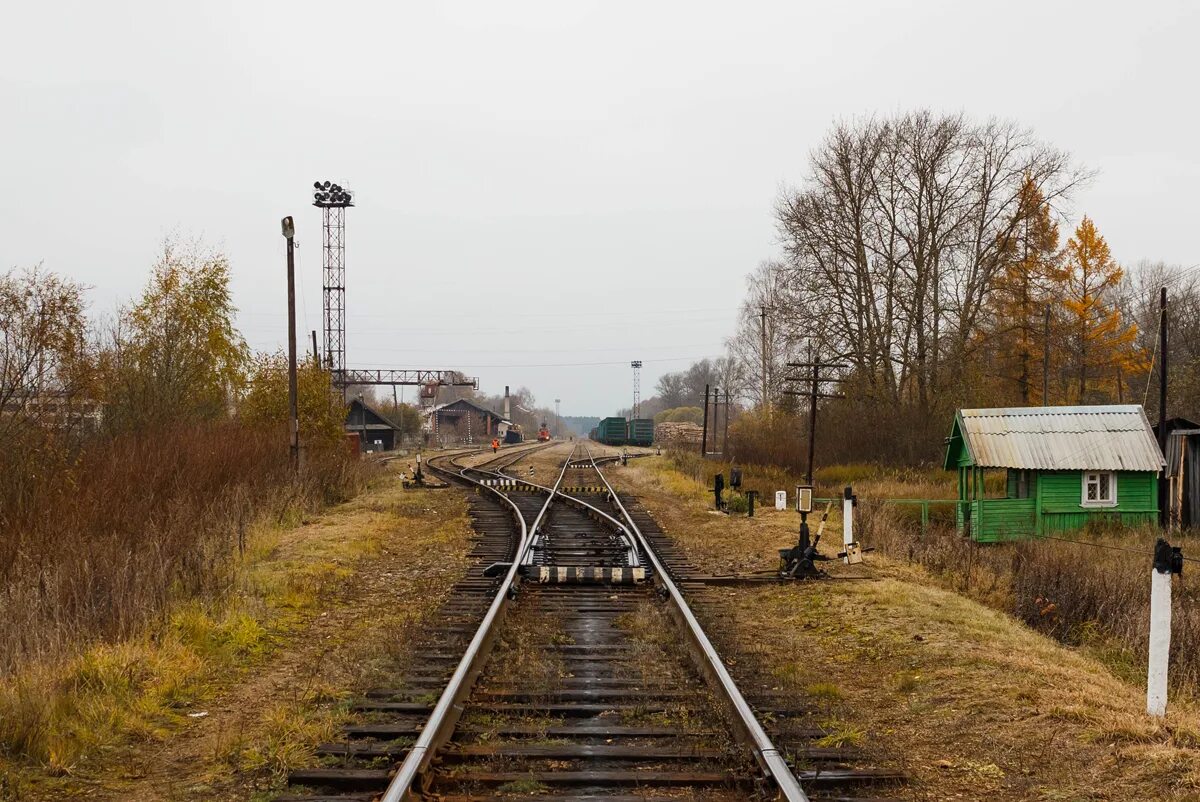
(636, 412)
(333, 200)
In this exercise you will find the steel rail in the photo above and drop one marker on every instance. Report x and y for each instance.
(633, 558)
(765, 752)
(449, 705)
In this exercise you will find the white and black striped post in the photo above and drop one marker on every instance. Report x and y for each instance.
(1167, 560)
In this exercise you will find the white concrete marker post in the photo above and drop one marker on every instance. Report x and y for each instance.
(847, 518)
(1167, 561)
(849, 547)
(781, 500)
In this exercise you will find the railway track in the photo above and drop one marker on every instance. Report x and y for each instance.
(572, 684)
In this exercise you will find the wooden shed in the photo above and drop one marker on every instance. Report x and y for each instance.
(1183, 473)
(375, 432)
(1063, 467)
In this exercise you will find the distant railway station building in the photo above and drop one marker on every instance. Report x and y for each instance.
(1064, 468)
(464, 421)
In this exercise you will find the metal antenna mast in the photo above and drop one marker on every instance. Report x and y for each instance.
(637, 388)
(333, 200)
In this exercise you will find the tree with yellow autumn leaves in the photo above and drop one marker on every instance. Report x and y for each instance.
(1092, 348)
(1100, 346)
(1032, 276)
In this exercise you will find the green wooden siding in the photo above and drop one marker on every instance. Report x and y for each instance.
(996, 519)
(1061, 494)
(1058, 495)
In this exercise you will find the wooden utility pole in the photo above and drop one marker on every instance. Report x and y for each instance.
(704, 434)
(1162, 403)
(716, 427)
(725, 436)
(316, 353)
(289, 233)
(814, 393)
(762, 315)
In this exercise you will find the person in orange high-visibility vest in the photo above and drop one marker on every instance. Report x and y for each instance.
(495, 446)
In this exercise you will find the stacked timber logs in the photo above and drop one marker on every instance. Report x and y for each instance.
(678, 435)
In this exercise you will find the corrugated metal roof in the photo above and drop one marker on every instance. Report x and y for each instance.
(1103, 438)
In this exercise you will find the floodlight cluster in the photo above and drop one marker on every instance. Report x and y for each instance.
(329, 194)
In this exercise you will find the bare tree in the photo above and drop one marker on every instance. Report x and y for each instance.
(766, 336)
(896, 239)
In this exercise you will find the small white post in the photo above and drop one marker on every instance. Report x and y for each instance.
(781, 499)
(851, 548)
(847, 518)
(1166, 562)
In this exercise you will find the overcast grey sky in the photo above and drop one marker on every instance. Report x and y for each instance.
(546, 190)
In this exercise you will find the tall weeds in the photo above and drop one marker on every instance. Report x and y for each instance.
(98, 539)
(1094, 593)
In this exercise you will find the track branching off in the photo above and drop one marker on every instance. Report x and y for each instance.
(568, 663)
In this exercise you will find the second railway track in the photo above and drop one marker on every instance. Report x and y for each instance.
(591, 679)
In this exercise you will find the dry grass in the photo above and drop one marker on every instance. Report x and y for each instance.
(868, 481)
(964, 699)
(122, 580)
(318, 612)
(100, 542)
(1096, 595)
(968, 700)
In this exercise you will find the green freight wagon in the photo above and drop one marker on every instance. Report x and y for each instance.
(1065, 467)
(641, 432)
(612, 431)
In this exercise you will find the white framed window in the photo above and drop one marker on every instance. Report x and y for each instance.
(1099, 489)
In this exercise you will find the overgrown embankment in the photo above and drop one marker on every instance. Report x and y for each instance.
(968, 701)
(219, 699)
(138, 458)
(122, 576)
(1093, 593)
(99, 542)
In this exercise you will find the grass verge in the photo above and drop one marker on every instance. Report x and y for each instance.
(969, 701)
(235, 692)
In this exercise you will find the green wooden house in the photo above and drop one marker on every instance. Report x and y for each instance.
(1063, 468)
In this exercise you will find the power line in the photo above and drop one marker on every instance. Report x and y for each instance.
(579, 364)
(1110, 547)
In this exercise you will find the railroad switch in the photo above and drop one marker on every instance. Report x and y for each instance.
(800, 561)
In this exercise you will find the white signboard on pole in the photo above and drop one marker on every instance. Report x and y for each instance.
(781, 499)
